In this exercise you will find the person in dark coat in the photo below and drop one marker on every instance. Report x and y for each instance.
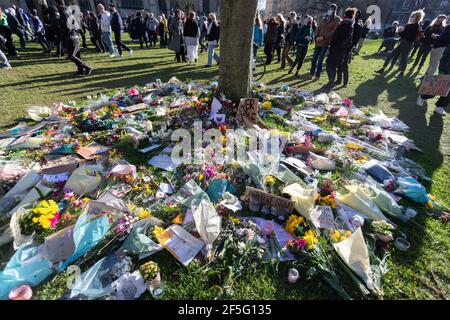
(39, 31)
(95, 32)
(422, 27)
(139, 29)
(339, 45)
(16, 27)
(176, 44)
(304, 36)
(270, 39)
(289, 39)
(55, 25)
(408, 35)
(436, 27)
(389, 38)
(117, 27)
(6, 33)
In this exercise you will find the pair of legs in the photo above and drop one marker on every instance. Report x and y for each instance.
(286, 48)
(435, 58)
(317, 61)
(152, 37)
(334, 63)
(359, 45)
(4, 63)
(422, 55)
(163, 41)
(299, 58)
(212, 54)
(119, 43)
(192, 53)
(96, 40)
(42, 41)
(107, 41)
(73, 51)
(402, 51)
(143, 39)
(343, 68)
(5, 31)
(441, 104)
(269, 48)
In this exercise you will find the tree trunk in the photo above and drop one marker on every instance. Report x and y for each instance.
(236, 38)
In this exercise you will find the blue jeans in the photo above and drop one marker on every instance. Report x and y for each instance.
(3, 60)
(317, 61)
(107, 40)
(212, 54)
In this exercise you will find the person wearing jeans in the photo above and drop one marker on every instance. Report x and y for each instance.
(324, 33)
(290, 32)
(212, 36)
(105, 27)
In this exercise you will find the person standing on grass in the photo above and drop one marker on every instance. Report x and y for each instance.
(117, 27)
(303, 37)
(213, 35)
(69, 28)
(280, 35)
(191, 33)
(408, 35)
(6, 32)
(139, 29)
(364, 35)
(152, 24)
(270, 39)
(389, 38)
(177, 44)
(339, 45)
(203, 25)
(258, 37)
(324, 34)
(39, 31)
(95, 32)
(105, 27)
(162, 31)
(435, 27)
(437, 51)
(444, 68)
(289, 36)
(15, 26)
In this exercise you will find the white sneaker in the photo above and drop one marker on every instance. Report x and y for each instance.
(440, 111)
(130, 53)
(112, 55)
(420, 102)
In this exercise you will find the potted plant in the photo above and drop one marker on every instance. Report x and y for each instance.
(151, 275)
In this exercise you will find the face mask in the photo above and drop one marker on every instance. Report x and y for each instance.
(330, 12)
(411, 20)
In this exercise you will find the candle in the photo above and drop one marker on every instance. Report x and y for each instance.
(293, 275)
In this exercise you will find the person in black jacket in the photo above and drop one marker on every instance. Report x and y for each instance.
(270, 39)
(435, 27)
(69, 27)
(389, 38)
(139, 29)
(289, 40)
(422, 27)
(212, 35)
(95, 32)
(117, 27)
(408, 35)
(339, 46)
(6, 33)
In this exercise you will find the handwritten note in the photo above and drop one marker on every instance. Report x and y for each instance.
(269, 199)
(322, 217)
(435, 85)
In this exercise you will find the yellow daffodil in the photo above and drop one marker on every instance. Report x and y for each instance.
(235, 220)
(267, 105)
(157, 231)
(270, 180)
(311, 239)
(292, 223)
(178, 219)
(200, 177)
(144, 214)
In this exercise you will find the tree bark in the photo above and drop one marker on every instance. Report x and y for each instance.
(236, 39)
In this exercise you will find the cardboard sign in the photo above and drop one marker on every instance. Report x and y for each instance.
(435, 85)
(269, 199)
(135, 108)
(90, 151)
(61, 164)
(247, 111)
(322, 217)
(60, 245)
(180, 243)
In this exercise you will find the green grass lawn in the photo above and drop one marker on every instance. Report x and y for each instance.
(420, 273)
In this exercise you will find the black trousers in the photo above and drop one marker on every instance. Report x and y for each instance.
(422, 55)
(163, 37)
(300, 57)
(21, 36)
(334, 62)
(401, 51)
(268, 51)
(5, 31)
(42, 41)
(96, 40)
(142, 39)
(152, 37)
(343, 68)
(181, 55)
(73, 51)
(119, 43)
